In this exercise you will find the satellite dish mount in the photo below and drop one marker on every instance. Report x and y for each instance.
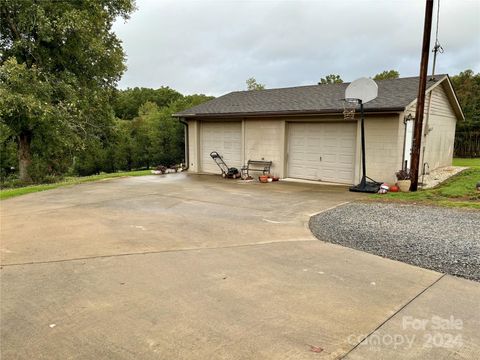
(360, 92)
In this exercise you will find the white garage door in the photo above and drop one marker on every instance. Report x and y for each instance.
(224, 138)
(322, 151)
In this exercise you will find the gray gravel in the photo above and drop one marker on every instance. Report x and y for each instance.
(441, 239)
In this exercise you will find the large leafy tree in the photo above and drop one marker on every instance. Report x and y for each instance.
(30, 113)
(387, 75)
(59, 63)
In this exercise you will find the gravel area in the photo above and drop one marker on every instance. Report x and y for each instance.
(441, 239)
(438, 176)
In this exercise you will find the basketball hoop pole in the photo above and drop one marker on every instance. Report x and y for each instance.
(364, 186)
(363, 182)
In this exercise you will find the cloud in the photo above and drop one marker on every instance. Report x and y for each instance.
(212, 47)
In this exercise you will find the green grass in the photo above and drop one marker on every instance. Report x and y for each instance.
(474, 163)
(458, 191)
(12, 192)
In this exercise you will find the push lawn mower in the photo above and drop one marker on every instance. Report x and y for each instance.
(227, 172)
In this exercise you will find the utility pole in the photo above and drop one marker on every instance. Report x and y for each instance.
(417, 134)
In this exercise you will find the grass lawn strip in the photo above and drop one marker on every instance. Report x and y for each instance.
(458, 191)
(12, 192)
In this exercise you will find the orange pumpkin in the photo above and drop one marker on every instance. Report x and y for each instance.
(394, 188)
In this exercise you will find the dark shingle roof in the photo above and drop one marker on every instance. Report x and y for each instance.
(393, 95)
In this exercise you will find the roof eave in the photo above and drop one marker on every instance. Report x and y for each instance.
(283, 113)
(453, 94)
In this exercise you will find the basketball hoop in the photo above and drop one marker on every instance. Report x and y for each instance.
(359, 92)
(349, 106)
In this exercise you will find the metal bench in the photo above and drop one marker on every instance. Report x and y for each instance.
(256, 165)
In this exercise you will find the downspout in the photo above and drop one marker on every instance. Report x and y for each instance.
(406, 119)
(187, 160)
(404, 141)
(426, 132)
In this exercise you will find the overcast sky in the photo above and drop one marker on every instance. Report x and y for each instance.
(212, 47)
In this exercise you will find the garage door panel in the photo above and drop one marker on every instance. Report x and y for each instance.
(322, 151)
(337, 176)
(224, 138)
(329, 159)
(310, 157)
(345, 160)
(346, 144)
(304, 172)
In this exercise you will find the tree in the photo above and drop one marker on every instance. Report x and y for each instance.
(331, 79)
(127, 103)
(122, 147)
(467, 88)
(145, 131)
(26, 108)
(387, 75)
(59, 63)
(8, 152)
(467, 136)
(252, 84)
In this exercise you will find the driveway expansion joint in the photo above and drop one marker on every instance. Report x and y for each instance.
(392, 316)
(157, 252)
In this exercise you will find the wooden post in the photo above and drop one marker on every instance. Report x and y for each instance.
(417, 134)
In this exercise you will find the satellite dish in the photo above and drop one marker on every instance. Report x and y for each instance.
(363, 89)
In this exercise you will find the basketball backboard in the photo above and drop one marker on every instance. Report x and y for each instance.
(363, 89)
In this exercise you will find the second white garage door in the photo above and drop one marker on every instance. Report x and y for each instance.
(224, 138)
(322, 151)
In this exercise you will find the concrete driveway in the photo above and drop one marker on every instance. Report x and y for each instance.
(197, 267)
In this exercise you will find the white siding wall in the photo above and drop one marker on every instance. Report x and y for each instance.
(439, 126)
(384, 147)
(441, 131)
(193, 145)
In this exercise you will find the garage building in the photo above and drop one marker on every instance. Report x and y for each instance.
(303, 132)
